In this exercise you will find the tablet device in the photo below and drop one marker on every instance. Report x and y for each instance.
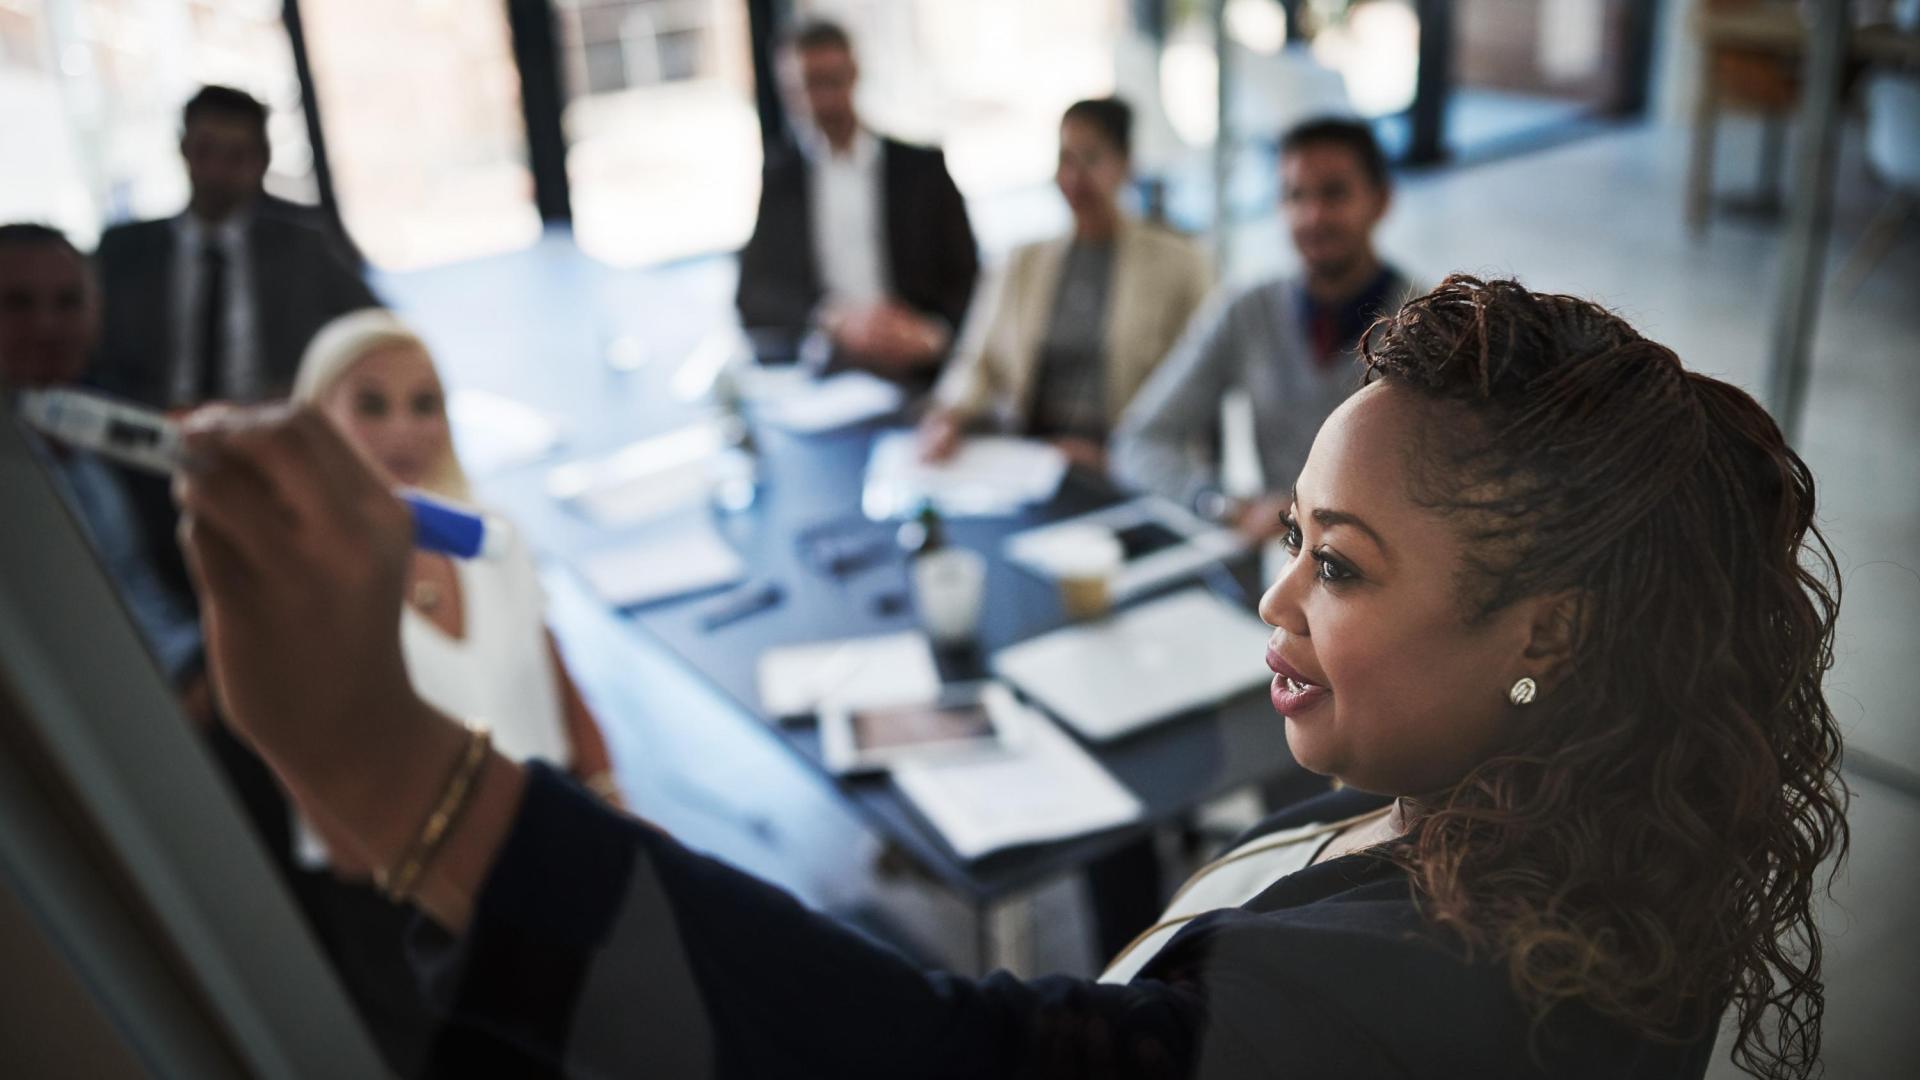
(966, 718)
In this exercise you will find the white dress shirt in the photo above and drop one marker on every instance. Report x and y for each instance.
(241, 378)
(849, 236)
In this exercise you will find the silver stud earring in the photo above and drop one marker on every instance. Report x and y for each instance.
(1522, 691)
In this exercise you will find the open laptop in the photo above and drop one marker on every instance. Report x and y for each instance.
(1143, 665)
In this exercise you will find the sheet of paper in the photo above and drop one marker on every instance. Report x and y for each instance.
(494, 432)
(644, 480)
(1044, 787)
(989, 475)
(884, 670)
(675, 560)
(837, 401)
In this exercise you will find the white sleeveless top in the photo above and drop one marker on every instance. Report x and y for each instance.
(1230, 881)
(499, 673)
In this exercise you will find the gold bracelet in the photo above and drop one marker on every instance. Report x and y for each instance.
(446, 811)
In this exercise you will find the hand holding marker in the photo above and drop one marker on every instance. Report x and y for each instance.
(146, 439)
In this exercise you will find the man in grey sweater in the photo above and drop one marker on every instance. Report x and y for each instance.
(1290, 343)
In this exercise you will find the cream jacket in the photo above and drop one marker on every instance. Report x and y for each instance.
(1159, 279)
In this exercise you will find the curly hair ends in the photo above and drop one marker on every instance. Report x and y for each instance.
(1651, 847)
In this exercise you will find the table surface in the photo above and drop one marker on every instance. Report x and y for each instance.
(536, 326)
(814, 481)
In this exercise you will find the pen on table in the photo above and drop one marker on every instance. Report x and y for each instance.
(146, 439)
(741, 604)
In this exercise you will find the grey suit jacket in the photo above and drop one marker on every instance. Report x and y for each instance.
(299, 285)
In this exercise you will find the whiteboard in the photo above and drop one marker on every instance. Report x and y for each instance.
(120, 839)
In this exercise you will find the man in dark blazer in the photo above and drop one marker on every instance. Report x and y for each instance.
(221, 300)
(862, 242)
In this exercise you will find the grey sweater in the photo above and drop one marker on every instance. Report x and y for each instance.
(1257, 340)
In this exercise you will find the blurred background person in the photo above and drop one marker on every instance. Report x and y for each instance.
(474, 630)
(861, 238)
(1289, 343)
(49, 324)
(1059, 344)
(218, 301)
(474, 636)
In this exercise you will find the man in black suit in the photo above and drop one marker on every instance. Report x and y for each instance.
(862, 242)
(220, 300)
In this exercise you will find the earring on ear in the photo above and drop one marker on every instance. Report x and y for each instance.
(1522, 691)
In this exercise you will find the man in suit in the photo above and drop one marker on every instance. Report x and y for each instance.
(220, 300)
(862, 246)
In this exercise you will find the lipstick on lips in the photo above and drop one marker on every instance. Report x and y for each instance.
(1293, 692)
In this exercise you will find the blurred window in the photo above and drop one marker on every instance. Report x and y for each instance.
(663, 140)
(94, 87)
(985, 79)
(425, 137)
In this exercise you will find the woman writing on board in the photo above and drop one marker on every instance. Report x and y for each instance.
(1550, 605)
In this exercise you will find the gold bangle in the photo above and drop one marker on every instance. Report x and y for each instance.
(446, 811)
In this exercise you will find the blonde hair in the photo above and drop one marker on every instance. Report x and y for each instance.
(348, 340)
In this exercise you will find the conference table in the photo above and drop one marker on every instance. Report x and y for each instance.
(808, 495)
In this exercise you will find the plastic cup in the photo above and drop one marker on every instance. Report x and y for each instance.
(948, 586)
(1084, 561)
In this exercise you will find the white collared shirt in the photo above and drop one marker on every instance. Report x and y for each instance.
(849, 218)
(241, 379)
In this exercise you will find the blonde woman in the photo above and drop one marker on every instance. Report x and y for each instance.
(474, 638)
(473, 632)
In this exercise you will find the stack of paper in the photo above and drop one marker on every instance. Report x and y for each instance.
(885, 670)
(987, 476)
(1044, 787)
(837, 401)
(685, 557)
(643, 480)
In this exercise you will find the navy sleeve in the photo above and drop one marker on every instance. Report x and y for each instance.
(603, 948)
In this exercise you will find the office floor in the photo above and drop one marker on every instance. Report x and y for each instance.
(1600, 217)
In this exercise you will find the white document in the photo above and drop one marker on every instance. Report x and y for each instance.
(838, 401)
(1044, 787)
(989, 475)
(648, 479)
(494, 432)
(675, 560)
(1143, 665)
(892, 669)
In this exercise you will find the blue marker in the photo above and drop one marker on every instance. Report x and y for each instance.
(148, 440)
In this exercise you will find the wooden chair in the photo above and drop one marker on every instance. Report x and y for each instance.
(1759, 79)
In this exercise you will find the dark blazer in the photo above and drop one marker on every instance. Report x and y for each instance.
(602, 944)
(317, 219)
(931, 258)
(299, 285)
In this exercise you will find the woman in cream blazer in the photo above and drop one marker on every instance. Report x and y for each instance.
(1057, 345)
